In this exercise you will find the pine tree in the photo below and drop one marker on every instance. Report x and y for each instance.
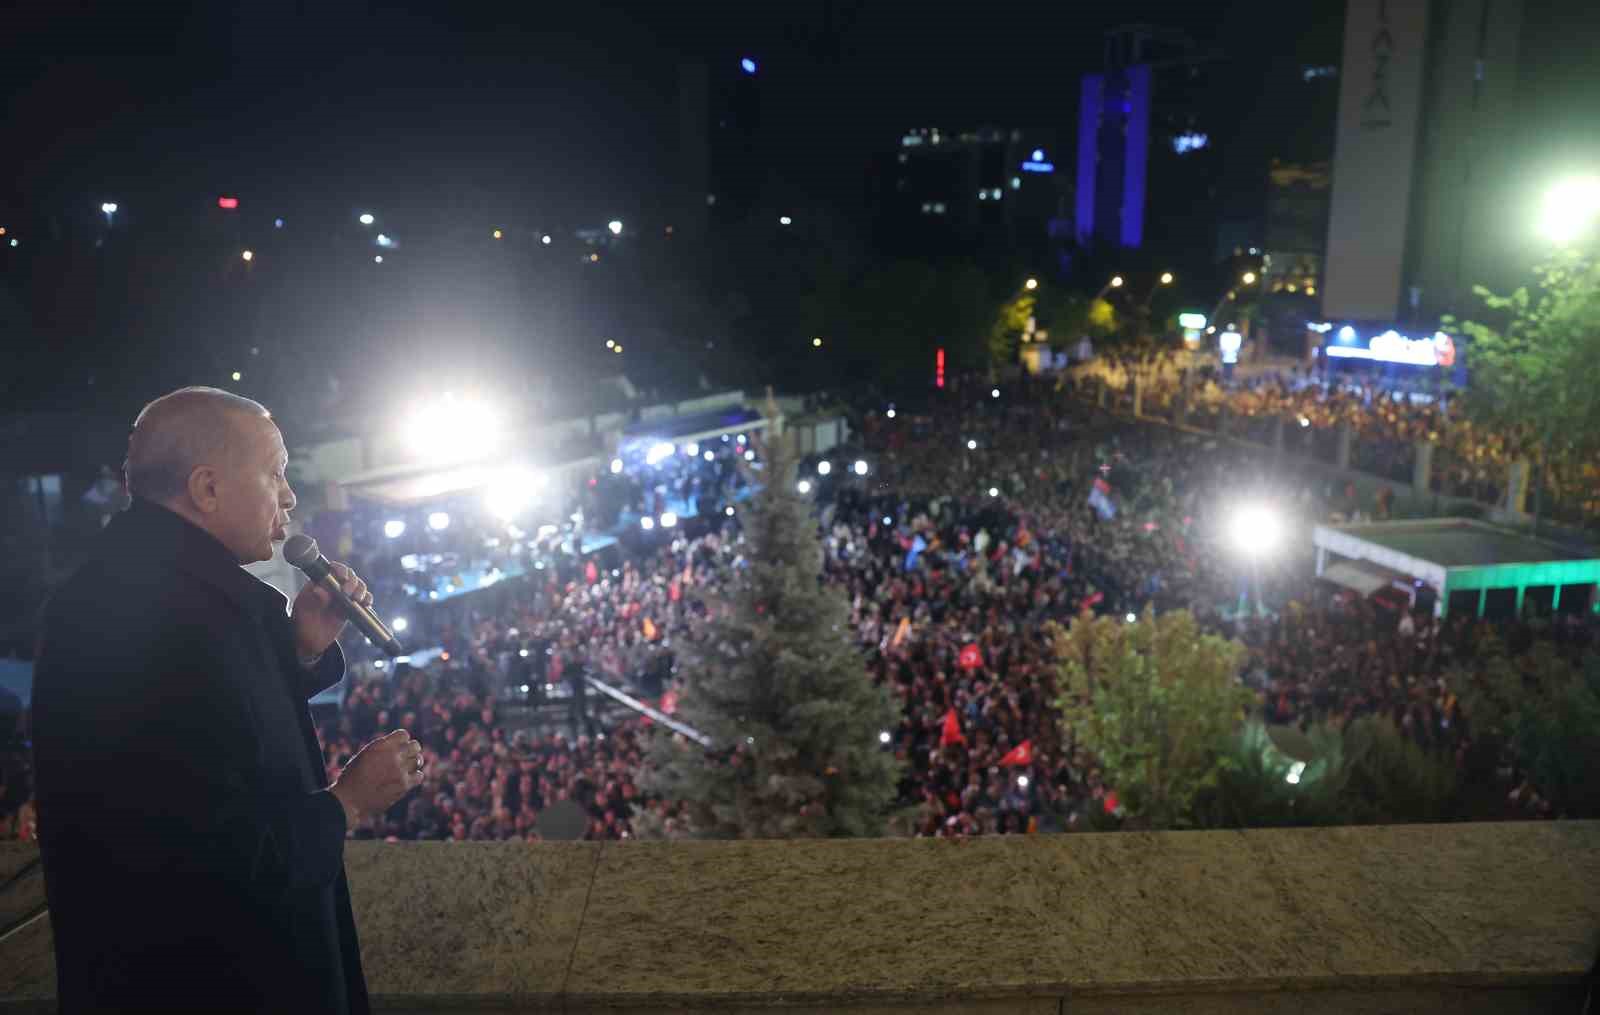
(778, 686)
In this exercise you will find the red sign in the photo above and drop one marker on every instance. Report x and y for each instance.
(227, 203)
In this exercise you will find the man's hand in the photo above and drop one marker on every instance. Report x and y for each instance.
(316, 620)
(382, 772)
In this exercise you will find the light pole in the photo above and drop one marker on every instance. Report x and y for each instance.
(109, 209)
(1114, 283)
(1255, 530)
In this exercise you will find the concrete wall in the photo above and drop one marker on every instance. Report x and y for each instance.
(1486, 917)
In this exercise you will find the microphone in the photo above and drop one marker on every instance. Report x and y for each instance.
(301, 551)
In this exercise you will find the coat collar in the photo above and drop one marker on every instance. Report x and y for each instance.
(156, 535)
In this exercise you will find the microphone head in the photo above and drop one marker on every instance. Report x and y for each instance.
(301, 550)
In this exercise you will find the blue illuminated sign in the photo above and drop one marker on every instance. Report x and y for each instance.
(1038, 167)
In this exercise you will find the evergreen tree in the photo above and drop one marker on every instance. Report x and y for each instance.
(777, 685)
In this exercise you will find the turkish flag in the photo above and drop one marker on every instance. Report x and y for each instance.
(971, 657)
(669, 702)
(1110, 803)
(591, 573)
(1022, 754)
(952, 730)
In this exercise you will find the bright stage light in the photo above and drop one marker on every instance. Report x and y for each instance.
(884, 736)
(1255, 529)
(860, 467)
(394, 528)
(668, 519)
(399, 624)
(749, 456)
(708, 456)
(647, 523)
(441, 429)
(1031, 284)
(511, 493)
(1132, 617)
(692, 450)
(994, 392)
(972, 445)
(248, 255)
(659, 453)
(110, 207)
(804, 486)
(238, 376)
(728, 510)
(994, 491)
(616, 466)
(784, 220)
(1022, 782)
(824, 467)
(438, 521)
(890, 414)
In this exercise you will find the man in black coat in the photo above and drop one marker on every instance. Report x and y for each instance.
(193, 850)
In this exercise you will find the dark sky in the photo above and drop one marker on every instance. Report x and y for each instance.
(546, 105)
(536, 116)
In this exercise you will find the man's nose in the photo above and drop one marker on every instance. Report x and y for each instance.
(288, 500)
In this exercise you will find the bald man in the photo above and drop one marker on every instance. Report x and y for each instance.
(193, 850)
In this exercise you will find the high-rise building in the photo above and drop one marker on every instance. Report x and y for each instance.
(1147, 141)
(1455, 120)
(723, 164)
(944, 190)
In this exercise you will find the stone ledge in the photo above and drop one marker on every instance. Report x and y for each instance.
(1403, 918)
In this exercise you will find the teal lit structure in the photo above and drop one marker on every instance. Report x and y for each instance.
(1457, 556)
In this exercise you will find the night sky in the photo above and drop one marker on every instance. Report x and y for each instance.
(549, 115)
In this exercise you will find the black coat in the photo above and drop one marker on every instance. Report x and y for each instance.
(193, 857)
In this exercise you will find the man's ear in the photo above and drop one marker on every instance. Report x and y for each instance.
(204, 482)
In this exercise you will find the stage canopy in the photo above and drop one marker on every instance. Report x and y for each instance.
(1462, 559)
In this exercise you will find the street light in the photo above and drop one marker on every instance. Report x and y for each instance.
(109, 209)
(1571, 208)
(816, 343)
(366, 218)
(615, 225)
(1166, 278)
(1032, 283)
(784, 220)
(497, 234)
(248, 255)
(1116, 281)
(1248, 278)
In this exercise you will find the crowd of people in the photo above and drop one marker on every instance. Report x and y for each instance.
(976, 526)
(1388, 419)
